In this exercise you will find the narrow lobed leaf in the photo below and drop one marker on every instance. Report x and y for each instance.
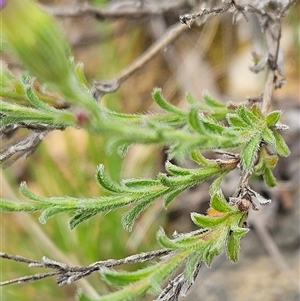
(236, 121)
(268, 136)
(273, 117)
(36, 102)
(215, 185)
(247, 116)
(195, 123)
(29, 194)
(165, 241)
(191, 100)
(50, 212)
(211, 102)
(129, 217)
(200, 159)
(281, 147)
(140, 184)
(233, 243)
(122, 278)
(269, 178)
(128, 293)
(80, 217)
(176, 170)
(190, 266)
(164, 104)
(210, 253)
(106, 182)
(170, 196)
(211, 126)
(219, 203)
(205, 221)
(249, 151)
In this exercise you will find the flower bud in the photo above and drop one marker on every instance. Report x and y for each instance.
(34, 38)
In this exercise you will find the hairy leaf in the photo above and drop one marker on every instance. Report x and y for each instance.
(250, 149)
(106, 182)
(169, 197)
(121, 278)
(268, 136)
(236, 121)
(247, 116)
(80, 217)
(211, 102)
(269, 177)
(219, 203)
(50, 212)
(129, 217)
(273, 117)
(281, 147)
(176, 170)
(233, 243)
(158, 98)
(140, 184)
(205, 221)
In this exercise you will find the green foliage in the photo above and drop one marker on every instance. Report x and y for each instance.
(204, 126)
(186, 251)
(184, 132)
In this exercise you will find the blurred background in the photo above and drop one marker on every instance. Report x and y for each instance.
(214, 56)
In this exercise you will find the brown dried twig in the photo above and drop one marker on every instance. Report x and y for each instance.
(69, 274)
(114, 11)
(101, 87)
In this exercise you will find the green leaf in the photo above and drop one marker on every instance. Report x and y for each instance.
(268, 136)
(233, 248)
(80, 217)
(170, 196)
(233, 243)
(129, 217)
(157, 96)
(205, 221)
(29, 194)
(140, 184)
(106, 182)
(219, 203)
(173, 181)
(128, 293)
(122, 278)
(273, 117)
(269, 177)
(176, 170)
(195, 123)
(50, 212)
(281, 147)
(210, 253)
(247, 116)
(211, 126)
(200, 159)
(165, 241)
(215, 185)
(79, 71)
(36, 102)
(191, 100)
(249, 151)
(211, 102)
(235, 121)
(190, 266)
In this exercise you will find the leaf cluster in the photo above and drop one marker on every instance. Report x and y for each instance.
(221, 228)
(202, 127)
